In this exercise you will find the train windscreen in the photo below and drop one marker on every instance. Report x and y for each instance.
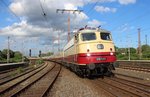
(105, 36)
(88, 36)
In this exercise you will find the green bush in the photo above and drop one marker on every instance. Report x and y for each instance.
(39, 61)
(20, 70)
(122, 57)
(134, 57)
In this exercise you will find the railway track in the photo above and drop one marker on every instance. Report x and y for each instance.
(133, 79)
(123, 88)
(13, 74)
(136, 68)
(35, 84)
(14, 82)
(6, 71)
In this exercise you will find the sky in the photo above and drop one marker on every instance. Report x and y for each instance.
(35, 24)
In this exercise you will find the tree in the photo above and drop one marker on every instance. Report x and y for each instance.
(4, 52)
(132, 50)
(146, 51)
(49, 53)
(122, 53)
(1, 55)
(145, 48)
(18, 55)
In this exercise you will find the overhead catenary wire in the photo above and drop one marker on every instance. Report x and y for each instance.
(68, 10)
(11, 10)
(87, 12)
(54, 30)
(135, 19)
(132, 20)
(43, 11)
(90, 10)
(44, 15)
(96, 2)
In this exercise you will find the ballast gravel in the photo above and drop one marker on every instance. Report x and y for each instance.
(69, 84)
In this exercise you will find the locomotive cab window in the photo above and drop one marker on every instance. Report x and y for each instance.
(105, 36)
(88, 36)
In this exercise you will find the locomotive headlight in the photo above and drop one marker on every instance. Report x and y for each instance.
(88, 54)
(111, 53)
(100, 46)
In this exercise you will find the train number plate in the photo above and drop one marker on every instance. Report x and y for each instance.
(100, 59)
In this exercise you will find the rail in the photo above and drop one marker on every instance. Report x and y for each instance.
(37, 85)
(139, 63)
(122, 87)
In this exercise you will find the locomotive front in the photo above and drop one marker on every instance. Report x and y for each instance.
(95, 51)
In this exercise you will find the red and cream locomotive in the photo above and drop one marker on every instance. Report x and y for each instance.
(90, 52)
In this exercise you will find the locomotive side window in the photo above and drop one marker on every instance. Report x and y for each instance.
(88, 36)
(105, 36)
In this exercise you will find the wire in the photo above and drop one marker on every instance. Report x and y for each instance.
(44, 14)
(134, 19)
(11, 10)
(90, 10)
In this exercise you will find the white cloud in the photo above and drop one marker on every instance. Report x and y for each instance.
(103, 9)
(70, 6)
(33, 24)
(95, 23)
(32, 12)
(17, 8)
(125, 2)
(55, 41)
(100, 1)
(24, 29)
(125, 28)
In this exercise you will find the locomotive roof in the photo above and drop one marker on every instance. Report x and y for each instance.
(84, 30)
(93, 30)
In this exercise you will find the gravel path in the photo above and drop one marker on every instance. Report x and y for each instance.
(69, 84)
